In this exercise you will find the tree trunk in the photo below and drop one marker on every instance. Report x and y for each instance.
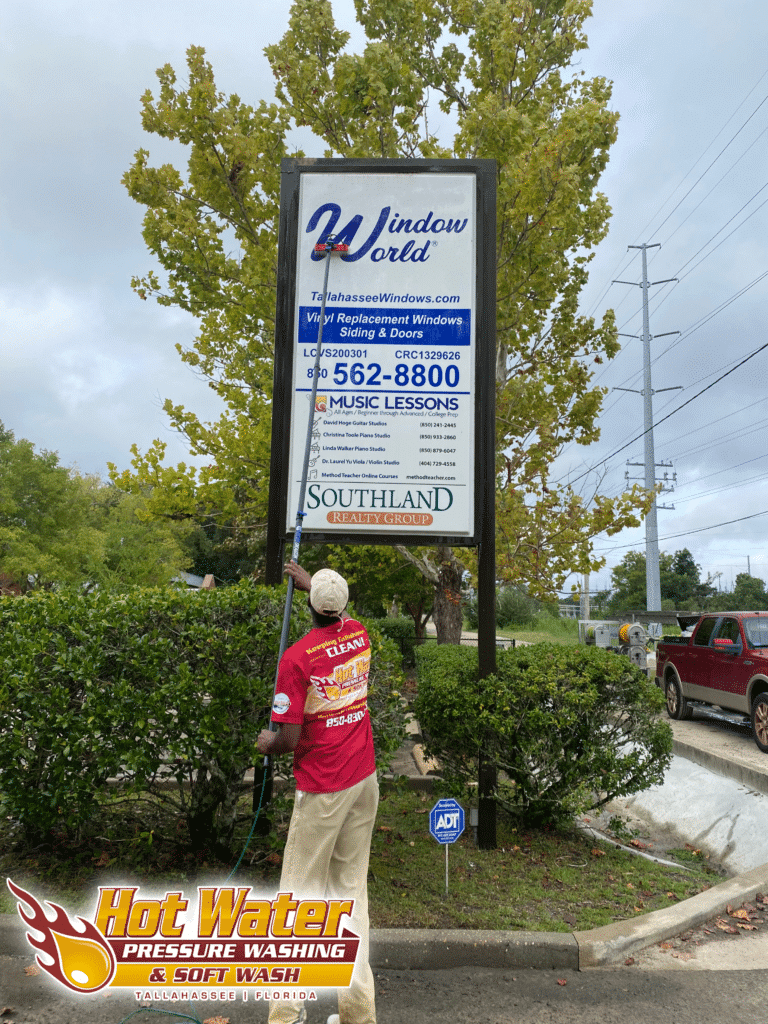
(448, 613)
(419, 614)
(446, 577)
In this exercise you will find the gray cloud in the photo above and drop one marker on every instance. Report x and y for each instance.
(84, 364)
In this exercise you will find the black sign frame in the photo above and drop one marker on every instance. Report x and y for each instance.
(485, 352)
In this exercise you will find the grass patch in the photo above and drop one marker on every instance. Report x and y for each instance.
(535, 881)
(545, 629)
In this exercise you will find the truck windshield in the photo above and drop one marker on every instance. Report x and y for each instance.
(756, 630)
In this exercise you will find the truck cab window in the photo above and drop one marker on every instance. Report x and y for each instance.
(757, 630)
(729, 630)
(704, 632)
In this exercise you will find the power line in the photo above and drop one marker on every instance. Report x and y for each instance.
(698, 159)
(685, 533)
(722, 241)
(693, 186)
(727, 439)
(718, 182)
(718, 490)
(685, 334)
(714, 526)
(746, 359)
(709, 146)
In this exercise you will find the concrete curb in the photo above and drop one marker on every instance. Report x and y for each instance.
(613, 942)
(742, 773)
(440, 949)
(428, 949)
(425, 949)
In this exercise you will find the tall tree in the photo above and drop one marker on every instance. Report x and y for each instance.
(502, 70)
(749, 593)
(679, 577)
(45, 533)
(377, 578)
(57, 527)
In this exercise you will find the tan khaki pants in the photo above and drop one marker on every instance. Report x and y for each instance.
(326, 855)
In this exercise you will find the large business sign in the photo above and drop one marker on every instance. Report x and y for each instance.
(407, 348)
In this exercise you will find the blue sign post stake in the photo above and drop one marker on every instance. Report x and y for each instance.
(446, 823)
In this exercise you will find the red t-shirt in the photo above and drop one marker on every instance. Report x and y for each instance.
(322, 684)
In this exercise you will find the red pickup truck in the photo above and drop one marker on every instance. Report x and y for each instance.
(720, 668)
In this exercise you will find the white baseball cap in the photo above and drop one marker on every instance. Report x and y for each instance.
(328, 592)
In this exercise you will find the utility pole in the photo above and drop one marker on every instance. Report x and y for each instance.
(652, 576)
(584, 599)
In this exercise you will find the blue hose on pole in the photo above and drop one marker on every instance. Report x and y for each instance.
(328, 247)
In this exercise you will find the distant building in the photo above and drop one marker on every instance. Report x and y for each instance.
(196, 582)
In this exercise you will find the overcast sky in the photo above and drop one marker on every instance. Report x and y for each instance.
(85, 365)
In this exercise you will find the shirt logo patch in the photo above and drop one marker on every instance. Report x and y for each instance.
(281, 704)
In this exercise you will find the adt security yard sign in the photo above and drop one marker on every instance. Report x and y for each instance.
(446, 823)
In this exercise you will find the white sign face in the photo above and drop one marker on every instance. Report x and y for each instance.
(393, 436)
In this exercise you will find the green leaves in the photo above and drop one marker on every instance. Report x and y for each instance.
(60, 528)
(567, 728)
(106, 695)
(502, 71)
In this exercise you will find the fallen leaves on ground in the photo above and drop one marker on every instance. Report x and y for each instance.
(725, 927)
(32, 970)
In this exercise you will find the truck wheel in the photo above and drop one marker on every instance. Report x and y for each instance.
(760, 721)
(677, 706)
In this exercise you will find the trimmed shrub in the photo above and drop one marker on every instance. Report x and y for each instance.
(567, 728)
(402, 630)
(145, 689)
(513, 608)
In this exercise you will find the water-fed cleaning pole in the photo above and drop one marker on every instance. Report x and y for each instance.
(327, 248)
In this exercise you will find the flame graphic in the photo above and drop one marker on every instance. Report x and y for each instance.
(327, 690)
(81, 958)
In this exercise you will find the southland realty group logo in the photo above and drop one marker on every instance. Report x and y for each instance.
(227, 944)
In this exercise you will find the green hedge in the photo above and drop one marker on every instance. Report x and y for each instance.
(513, 608)
(568, 728)
(402, 630)
(159, 691)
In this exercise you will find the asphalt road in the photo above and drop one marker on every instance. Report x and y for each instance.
(620, 995)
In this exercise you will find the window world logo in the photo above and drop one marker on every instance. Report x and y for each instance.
(275, 948)
(387, 230)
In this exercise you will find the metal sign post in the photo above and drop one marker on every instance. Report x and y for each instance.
(446, 823)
